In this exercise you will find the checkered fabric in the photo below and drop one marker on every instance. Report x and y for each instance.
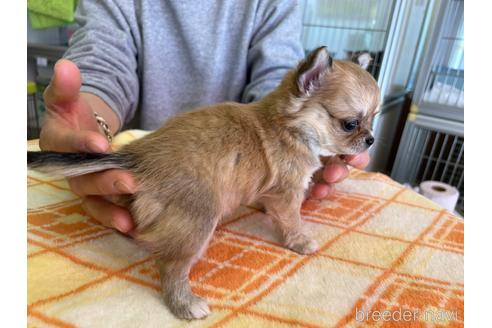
(388, 258)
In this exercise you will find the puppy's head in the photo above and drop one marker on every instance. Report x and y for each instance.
(339, 100)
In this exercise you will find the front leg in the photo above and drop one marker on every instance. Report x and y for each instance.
(286, 210)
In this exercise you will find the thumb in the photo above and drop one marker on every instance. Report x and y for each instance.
(65, 84)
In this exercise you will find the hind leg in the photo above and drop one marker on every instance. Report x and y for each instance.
(178, 237)
(174, 272)
(182, 302)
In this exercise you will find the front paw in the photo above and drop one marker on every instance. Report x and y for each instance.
(301, 244)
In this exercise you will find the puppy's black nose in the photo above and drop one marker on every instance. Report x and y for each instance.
(369, 140)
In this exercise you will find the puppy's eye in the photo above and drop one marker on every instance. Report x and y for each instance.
(350, 125)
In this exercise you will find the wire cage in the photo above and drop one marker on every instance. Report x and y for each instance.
(348, 27)
(440, 88)
(432, 149)
(432, 145)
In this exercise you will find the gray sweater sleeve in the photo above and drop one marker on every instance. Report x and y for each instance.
(105, 49)
(275, 47)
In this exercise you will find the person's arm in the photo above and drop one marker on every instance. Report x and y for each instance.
(105, 49)
(69, 125)
(275, 47)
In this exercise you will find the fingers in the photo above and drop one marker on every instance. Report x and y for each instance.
(359, 161)
(57, 137)
(65, 84)
(321, 190)
(336, 172)
(107, 183)
(111, 182)
(108, 214)
(333, 173)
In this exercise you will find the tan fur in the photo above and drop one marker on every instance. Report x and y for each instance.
(200, 166)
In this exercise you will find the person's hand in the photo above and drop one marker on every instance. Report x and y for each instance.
(335, 170)
(70, 126)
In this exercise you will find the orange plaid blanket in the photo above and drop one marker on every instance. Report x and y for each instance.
(388, 258)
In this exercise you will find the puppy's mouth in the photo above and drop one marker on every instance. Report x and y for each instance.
(362, 144)
(354, 148)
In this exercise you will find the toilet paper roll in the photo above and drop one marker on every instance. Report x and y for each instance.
(441, 193)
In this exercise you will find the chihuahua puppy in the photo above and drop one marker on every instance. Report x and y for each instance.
(201, 165)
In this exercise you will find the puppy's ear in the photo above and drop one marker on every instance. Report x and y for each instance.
(312, 70)
(363, 59)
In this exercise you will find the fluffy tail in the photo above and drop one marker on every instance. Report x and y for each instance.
(74, 164)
